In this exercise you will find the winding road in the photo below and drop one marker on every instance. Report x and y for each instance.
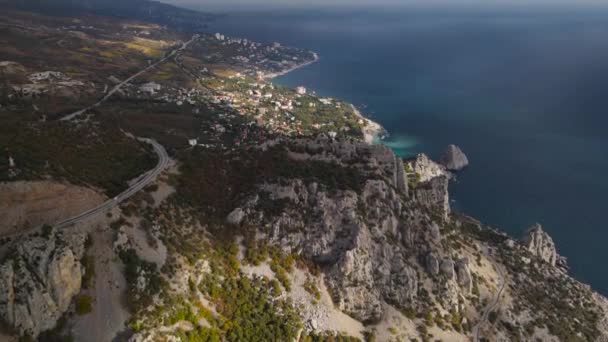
(143, 180)
(147, 177)
(491, 306)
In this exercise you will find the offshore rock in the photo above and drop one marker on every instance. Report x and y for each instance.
(454, 159)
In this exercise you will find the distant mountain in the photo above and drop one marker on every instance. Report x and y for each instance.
(133, 9)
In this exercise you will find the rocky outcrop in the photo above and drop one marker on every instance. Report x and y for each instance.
(350, 153)
(365, 241)
(236, 216)
(432, 182)
(400, 177)
(434, 194)
(447, 268)
(425, 169)
(363, 267)
(539, 243)
(454, 159)
(10, 68)
(38, 280)
(431, 264)
(463, 274)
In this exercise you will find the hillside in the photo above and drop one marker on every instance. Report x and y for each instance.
(152, 11)
(273, 220)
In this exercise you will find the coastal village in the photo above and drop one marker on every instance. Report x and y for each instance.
(227, 207)
(247, 93)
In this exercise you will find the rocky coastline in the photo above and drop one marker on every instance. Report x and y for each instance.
(279, 217)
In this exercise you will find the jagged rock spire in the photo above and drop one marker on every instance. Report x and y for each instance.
(539, 243)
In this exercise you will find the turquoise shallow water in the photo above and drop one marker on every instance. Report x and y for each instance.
(523, 93)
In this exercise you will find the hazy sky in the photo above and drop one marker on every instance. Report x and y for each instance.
(247, 4)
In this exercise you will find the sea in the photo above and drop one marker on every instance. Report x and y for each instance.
(523, 92)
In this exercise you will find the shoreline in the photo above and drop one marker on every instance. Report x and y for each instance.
(372, 131)
(287, 71)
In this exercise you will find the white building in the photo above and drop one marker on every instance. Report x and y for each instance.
(192, 142)
(47, 76)
(301, 90)
(150, 88)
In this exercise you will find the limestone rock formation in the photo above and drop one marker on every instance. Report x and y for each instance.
(432, 264)
(539, 243)
(447, 267)
(454, 159)
(38, 280)
(236, 216)
(463, 274)
(400, 180)
(426, 169)
(434, 194)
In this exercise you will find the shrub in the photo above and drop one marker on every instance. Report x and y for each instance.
(46, 231)
(88, 262)
(84, 304)
(311, 287)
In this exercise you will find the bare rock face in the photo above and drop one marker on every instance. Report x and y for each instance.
(38, 280)
(426, 169)
(447, 267)
(365, 240)
(431, 264)
(363, 268)
(454, 159)
(539, 243)
(400, 180)
(434, 194)
(236, 217)
(432, 188)
(463, 274)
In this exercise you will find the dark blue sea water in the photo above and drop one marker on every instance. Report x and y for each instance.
(524, 93)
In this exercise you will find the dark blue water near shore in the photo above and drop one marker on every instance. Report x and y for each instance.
(525, 94)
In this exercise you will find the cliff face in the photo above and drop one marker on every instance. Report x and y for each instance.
(367, 242)
(385, 246)
(38, 279)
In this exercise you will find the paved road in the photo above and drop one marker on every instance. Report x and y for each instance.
(491, 306)
(142, 182)
(145, 179)
(131, 78)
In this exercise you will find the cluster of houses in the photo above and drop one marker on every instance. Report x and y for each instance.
(46, 82)
(178, 96)
(256, 57)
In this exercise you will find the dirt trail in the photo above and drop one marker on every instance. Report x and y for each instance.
(109, 314)
(492, 305)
